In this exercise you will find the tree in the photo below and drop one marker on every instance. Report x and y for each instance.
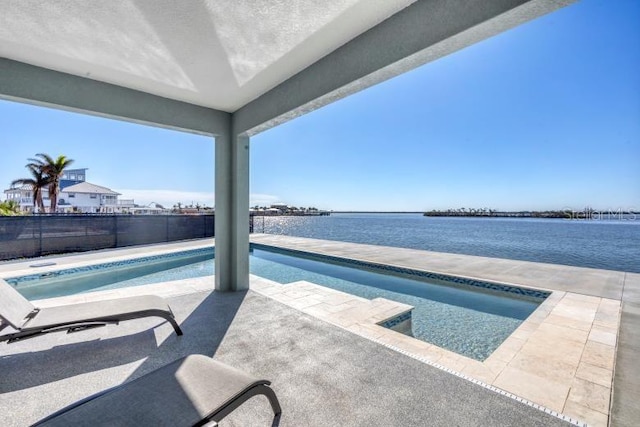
(37, 182)
(54, 168)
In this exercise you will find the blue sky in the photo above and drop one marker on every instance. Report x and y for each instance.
(544, 116)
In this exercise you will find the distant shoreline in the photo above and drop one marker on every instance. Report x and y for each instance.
(568, 214)
(563, 214)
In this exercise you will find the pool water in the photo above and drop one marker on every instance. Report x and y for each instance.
(469, 321)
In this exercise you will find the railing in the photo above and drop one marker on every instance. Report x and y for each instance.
(37, 235)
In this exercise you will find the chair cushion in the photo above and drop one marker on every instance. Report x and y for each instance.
(181, 393)
(120, 309)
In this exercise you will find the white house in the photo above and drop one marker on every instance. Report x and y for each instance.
(22, 195)
(88, 198)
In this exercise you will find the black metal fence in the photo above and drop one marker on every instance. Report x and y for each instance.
(31, 236)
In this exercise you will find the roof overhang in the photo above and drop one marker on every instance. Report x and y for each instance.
(206, 66)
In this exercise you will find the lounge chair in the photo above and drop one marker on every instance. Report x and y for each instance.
(23, 320)
(192, 391)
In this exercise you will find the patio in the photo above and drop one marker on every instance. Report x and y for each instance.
(559, 360)
(322, 374)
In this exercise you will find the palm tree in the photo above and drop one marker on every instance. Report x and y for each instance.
(54, 168)
(37, 182)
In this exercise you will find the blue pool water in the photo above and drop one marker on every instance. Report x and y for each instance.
(469, 321)
(118, 274)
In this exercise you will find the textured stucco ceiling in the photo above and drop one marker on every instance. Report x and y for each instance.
(214, 53)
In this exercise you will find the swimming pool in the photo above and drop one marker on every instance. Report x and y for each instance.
(468, 317)
(116, 274)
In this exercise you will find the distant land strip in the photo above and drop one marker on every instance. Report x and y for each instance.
(563, 214)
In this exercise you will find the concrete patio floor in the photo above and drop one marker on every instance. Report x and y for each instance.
(589, 315)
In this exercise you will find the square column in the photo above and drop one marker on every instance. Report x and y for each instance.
(232, 213)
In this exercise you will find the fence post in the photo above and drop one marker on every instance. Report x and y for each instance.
(167, 229)
(40, 234)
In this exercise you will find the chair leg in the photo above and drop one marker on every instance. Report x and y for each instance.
(255, 390)
(273, 400)
(175, 325)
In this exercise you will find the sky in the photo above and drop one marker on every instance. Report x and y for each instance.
(543, 116)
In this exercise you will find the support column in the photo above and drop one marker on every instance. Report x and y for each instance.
(232, 213)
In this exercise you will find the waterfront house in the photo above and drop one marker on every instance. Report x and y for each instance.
(23, 195)
(85, 197)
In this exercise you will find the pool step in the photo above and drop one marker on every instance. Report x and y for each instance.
(339, 308)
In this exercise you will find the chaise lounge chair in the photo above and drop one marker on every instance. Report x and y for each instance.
(23, 320)
(193, 391)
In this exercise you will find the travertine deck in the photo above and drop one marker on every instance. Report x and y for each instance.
(562, 357)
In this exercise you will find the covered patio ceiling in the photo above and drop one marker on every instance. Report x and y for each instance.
(229, 55)
(229, 68)
(216, 54)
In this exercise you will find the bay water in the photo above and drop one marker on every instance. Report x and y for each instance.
(611, 244)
